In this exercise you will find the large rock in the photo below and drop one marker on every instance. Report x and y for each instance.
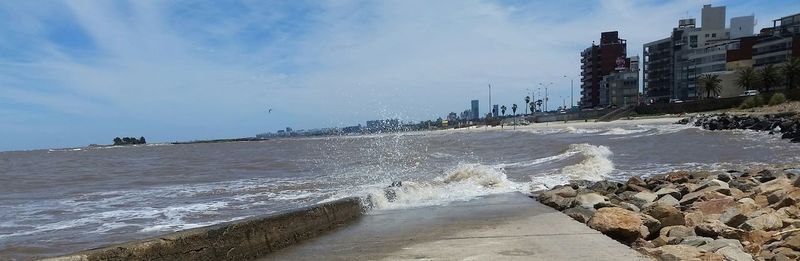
(713, 206)
(677, 231)
(554, 200)
(710, 228)
(668, 191)
(734, 254)
(643, 197)
(668, 200)
(715, 245)
(588, 200)
(696, 241)
(580, 214)
(735, 216)
(675, 253)
(793, 242)
(769, 221)
(622, 225)
(666, 214)
(773, 185)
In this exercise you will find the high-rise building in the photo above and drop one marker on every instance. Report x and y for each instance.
(475, 110)
(621, 87)
(597, 61)
(671, 66)
(778, 43)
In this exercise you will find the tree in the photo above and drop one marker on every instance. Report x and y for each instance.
(142, 140)
(710, 83)
(117, 141)
(791, 72)
(503, 110)
(527, 101)
(514, 109)
(769, 77)
(746, 78)
(539, 103)
(533, 107)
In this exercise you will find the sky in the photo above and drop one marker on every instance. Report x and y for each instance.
(78, 72)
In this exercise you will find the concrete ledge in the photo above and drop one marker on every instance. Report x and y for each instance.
(239, 240)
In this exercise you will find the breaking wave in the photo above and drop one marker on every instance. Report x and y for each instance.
(595, 165)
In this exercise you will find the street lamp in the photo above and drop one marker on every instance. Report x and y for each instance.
(571, 91)
(546, 98)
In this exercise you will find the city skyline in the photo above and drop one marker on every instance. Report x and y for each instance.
(75, 73)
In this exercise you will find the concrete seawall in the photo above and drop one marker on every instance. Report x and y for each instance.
(240, 240)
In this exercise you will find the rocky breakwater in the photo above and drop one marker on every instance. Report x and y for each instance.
(785, 124)
(733, 215)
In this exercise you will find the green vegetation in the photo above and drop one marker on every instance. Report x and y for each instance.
(514, 109)
(777, 98)
(752, 102)
(746, 78)
(129, 141)
(710, 84)
(768, 77)
(791, 73)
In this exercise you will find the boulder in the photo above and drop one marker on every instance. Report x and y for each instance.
(717, 244)
(606, 187)
(588, 200)
(622, 225)
(690, 198)
(555, 201)
(677, 231)
(668, 191)
(713, 206)
(793, 242)
(724, 176)
(712, 183)
(678, 177)
(580, 214)
(735, 216)
(636, 181)
(696, 241)
(668, 200)
(643, 197)
(768, 222)
(564, 191)
(710, 228)
(772, 185)
(675, 252)
(666, 214)
(734, 254)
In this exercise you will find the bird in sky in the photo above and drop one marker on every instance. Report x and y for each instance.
(270, 111)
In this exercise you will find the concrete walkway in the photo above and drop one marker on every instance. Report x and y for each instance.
(499, 227)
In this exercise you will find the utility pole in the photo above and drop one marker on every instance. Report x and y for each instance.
(490, 100)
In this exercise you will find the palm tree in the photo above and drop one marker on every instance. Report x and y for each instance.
(527, 100)
(791, 72)
(503, 110)
(746, 78)
(539, 103)
(514, 109)
(533, 107)
(768, 77)
(710, 83)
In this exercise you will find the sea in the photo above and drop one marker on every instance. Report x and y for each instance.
(58, 201)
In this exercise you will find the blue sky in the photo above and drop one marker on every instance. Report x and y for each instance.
(79, 72)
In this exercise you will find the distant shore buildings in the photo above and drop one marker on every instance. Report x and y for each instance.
(672, 66)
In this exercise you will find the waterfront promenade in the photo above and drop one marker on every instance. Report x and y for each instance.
(496, 227)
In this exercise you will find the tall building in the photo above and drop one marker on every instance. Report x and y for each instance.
(776, 44)
(475, 110)
(671, 66)
(598, 61)
(621, 87)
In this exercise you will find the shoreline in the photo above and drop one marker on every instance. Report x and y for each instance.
(745, 214)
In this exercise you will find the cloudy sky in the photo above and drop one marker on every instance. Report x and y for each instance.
(79, 72)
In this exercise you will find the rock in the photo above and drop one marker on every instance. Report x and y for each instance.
(693, 218)
(793, 242)
(606, 187)
(712, 183)
(724, 176)
(766, 222)
(710, 228)
(555, 201)
(772, 185)
(620, 224)
(715, 245)
(636, 181)
(677, 231)
(629, 206)
(735, 216)
(787, 252)
(666, 214)
(580, 214)
(696, 241)
(768, 175)
(643, 197)
(678, 177)
(588, 200)
(652, 224)
(734, 254)
(668, 200)
(713, 206)
(564, 191)
(690, 198)
(668, 191)
(675, 252)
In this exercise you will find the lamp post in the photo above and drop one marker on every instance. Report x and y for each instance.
(571, 91)
(546, 98)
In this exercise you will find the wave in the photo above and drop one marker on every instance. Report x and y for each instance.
(621, 131)
(462, 183)
(596, 165)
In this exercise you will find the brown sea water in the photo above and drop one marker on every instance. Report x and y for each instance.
(58, 201)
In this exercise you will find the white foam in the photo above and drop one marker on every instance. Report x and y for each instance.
(596, 165)
(621, 131)
(464, 182)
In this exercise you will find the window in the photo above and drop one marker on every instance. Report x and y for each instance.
(714, 35)
(706, 35)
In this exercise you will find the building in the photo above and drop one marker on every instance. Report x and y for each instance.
(391, 124)
(621, 88)
(476, 115)
(776, 44)
(598, 61)
(671, 66)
